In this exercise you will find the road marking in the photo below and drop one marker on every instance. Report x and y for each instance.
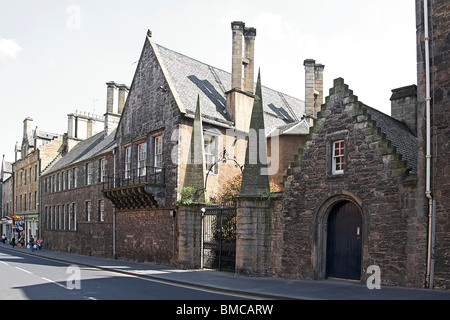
(4, 263)
(23, 270)
(58, 284)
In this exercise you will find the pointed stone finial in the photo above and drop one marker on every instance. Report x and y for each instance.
(255, 178)
(195, 168)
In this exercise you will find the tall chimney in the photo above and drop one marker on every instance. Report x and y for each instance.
(309, 86)
(110, 92)
(313, 88)
(318, 87)
(123, 91)
(28, 127)
(249, 59)
(236, 73)
(112, 115)
(404, 106)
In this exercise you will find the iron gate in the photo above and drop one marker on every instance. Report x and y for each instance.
(219, 237)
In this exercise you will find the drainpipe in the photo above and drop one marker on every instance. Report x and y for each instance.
(430, 259)
(114, 207)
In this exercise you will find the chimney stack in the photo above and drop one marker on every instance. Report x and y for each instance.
(404, 106)
(236, 74)
(110, 93)
(114, 105)
(28, 128)
(123, 91)
(313, 88)
(240, 98)
(249, 59)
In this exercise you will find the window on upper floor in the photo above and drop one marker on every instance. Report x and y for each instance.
(158, 163)
(338, 157)
(127, 162)
(88, 173)
(142, 159)
(102, 170)
(75, 178)
(210, 144)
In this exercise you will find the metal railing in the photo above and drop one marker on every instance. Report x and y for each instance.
(149, 175)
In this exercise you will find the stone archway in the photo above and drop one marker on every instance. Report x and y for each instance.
(320, 237)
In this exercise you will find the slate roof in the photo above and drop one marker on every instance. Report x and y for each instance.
(191, 78)
(85, 150)
(398, 134)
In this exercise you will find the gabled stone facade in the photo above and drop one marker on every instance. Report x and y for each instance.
(375, 177)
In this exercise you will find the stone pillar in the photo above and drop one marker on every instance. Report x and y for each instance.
(236, 72)
(253, 214)
(189, 223)
(253, 240)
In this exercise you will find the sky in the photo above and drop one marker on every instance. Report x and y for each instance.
(56, 56)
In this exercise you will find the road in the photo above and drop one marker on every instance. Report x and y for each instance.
(28, 277)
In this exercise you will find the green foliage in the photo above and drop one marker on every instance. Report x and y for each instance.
(232, 189)
(187, 194)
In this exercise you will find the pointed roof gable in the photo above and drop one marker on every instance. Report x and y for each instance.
(395, 133)
(188, 78)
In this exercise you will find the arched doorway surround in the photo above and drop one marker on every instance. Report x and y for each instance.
(321, 233)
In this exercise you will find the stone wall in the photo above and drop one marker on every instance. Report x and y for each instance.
(258, 236)
(147, 235)
(439, 46)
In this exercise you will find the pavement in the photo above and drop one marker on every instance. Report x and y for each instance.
(256, 287)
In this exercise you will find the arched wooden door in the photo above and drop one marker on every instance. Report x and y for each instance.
(344, 244)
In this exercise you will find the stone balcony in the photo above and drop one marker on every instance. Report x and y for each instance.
(139, 188)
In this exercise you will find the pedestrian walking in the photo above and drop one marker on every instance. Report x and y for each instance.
(3, 238)
(40, 243)
(31, 244)
(13, 241)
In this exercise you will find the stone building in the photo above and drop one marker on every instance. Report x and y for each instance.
(36, 154)
(353, 187)
(154, 140)
(76, 217)
(366, 190)
(6, 194)
(433, 99)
